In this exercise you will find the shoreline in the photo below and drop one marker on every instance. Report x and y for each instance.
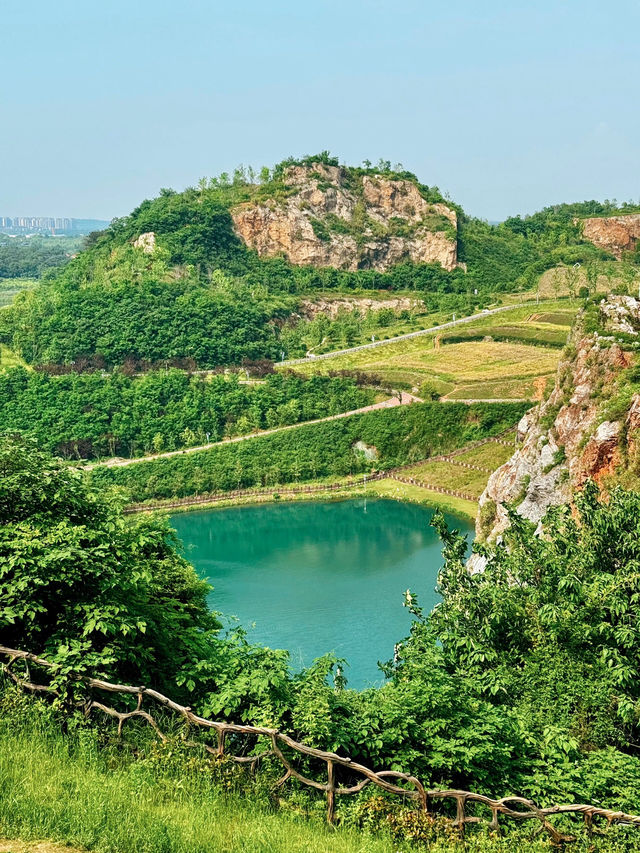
(385, 487)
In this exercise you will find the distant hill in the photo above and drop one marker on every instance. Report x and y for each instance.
(214, 274)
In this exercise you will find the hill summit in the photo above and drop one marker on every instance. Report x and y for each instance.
(332, 216)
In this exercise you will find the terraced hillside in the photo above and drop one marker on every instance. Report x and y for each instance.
(505, 356)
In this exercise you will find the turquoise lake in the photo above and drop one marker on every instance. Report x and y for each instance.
(319, 577)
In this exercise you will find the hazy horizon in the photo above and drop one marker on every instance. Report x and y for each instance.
(506, 109)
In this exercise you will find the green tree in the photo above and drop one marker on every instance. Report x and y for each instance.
(86, 586)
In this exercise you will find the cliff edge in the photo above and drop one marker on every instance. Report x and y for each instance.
(614, 234)
(586, 428)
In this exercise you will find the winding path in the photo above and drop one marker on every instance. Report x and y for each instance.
(403, 399)
(420, 333)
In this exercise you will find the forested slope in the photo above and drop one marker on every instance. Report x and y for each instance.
(175, 279)
(381, 439)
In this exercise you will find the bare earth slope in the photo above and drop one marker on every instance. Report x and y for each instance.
(615, 234)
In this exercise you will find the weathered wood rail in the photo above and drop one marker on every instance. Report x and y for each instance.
(517, 808)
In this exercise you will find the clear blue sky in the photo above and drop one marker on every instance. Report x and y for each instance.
(508, 105)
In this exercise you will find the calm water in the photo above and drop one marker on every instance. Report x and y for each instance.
(319, 577)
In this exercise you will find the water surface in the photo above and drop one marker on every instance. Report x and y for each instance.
(317, 577)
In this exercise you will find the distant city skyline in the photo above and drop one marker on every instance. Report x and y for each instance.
(49, 225)
(508, 107)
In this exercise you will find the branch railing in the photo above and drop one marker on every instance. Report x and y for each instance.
(517, 808)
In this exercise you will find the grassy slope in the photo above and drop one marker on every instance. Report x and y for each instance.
(9, 287)
(47, 793)
(8, 358)
(110, 804)
(423, 496)
(473, 369)
(385, 488)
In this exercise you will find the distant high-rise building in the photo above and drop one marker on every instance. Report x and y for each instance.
(25, 225)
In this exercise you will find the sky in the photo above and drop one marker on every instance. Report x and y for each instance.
(505, 105)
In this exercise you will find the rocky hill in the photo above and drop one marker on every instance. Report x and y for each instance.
(334, 217)
(586, 428)
(614, 234)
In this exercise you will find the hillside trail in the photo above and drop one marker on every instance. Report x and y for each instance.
(401, 399)
(487, 312)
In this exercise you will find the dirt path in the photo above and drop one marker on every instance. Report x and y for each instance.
(404, 399)
(405, 337)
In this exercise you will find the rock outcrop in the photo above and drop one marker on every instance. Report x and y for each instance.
(615, 234)
(570, 437)
(331, 217)
(311, 308)
(146, 242)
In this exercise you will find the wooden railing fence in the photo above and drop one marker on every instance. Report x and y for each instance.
(518, 808)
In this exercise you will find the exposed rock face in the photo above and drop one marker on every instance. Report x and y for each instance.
(566, 439)
(329, 221)
(615, 234)
(146, 242)
(332, 307)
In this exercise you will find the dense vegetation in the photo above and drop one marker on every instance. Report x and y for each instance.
(30, 257)
(79, 789)
(204, 295)
(395, 437)
(523, 679)
(138, 312)
(92, 414)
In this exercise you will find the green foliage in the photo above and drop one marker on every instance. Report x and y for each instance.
(522, 679)
(31, 257)
(561, 218)
(487, 518)
(400, 435)
(88, 588)
(429, 391)
(546, 632)
(91, 414)
(114, 320)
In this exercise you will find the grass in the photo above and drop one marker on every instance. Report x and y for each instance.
(7, 846)
(555, 282)
(79, 797)
(9, 287)
(448, 475)
(70, 790)
(499, 389)
(424, 497)
(475, 368)
(490, 455)
(9, 359)
(464, 365)
(543, 334)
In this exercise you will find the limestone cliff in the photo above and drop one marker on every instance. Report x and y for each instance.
(615, 234)
(331, 217)
(587, 428)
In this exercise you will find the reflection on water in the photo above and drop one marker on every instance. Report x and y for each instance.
(319, 577)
